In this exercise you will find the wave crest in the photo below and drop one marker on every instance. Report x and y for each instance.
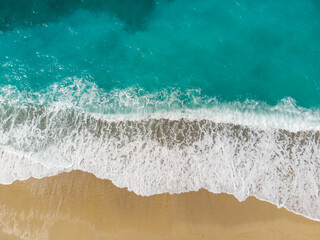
(168, 141)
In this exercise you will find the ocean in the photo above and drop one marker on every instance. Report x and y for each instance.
(165, 95)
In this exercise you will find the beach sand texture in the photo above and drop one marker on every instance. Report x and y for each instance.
(78, 205)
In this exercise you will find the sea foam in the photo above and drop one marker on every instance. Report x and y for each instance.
(166, 141)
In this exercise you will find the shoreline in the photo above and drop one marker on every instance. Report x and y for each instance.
(77, 204)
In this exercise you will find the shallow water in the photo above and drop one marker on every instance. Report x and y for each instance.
(225, 93)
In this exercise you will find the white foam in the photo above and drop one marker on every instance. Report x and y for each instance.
(175, 144)
(18, 166)
(135, 103)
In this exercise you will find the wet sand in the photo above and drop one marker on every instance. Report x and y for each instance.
(77, 205)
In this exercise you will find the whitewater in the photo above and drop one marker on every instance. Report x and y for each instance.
(247, 149)
(165, 96)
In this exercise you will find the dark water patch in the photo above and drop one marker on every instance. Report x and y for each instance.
(28, 13)
(233, 50)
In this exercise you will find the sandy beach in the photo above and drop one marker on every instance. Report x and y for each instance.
(78, 205)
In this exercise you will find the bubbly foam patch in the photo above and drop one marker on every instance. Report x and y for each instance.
(135, 103)
(166, 141)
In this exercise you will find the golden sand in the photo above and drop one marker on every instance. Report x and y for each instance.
(77, 205)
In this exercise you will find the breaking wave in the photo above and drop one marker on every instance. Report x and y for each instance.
(166, 141)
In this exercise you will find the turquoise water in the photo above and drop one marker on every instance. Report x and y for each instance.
(233, 50)
(165, 96)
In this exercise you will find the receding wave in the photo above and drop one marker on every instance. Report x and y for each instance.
(166, 141)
